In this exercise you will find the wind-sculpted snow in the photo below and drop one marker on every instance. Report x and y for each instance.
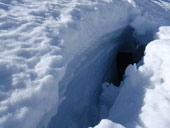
(40, 38)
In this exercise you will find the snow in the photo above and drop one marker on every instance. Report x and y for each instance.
(157, 104)
(143, 100)
(55, 54)
(107, 98)
(108, 124)
(163, 33)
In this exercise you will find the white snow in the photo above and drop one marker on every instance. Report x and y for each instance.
(105, 123)
(154, 112)
(48, 48)
(144, 99)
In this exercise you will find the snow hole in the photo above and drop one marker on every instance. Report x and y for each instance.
(89, 84)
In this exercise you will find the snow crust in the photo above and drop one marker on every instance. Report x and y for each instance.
(40, 39)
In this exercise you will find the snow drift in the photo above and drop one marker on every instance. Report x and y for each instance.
(55, 56)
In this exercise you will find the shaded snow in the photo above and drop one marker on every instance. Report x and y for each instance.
(107, 98)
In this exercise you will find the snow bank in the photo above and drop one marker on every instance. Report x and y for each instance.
(143, 100)
(154, 112)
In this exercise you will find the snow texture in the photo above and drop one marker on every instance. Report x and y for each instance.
(44, 42)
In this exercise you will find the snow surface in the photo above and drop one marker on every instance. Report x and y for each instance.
(43, 44)
(108, 124)
(144, 98)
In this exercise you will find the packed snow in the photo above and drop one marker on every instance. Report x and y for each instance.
(56, 59)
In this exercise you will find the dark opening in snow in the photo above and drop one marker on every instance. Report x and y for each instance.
(123, 59)
(129, 51)
(82, 83)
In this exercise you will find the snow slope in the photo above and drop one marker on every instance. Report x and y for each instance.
(43, 44)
